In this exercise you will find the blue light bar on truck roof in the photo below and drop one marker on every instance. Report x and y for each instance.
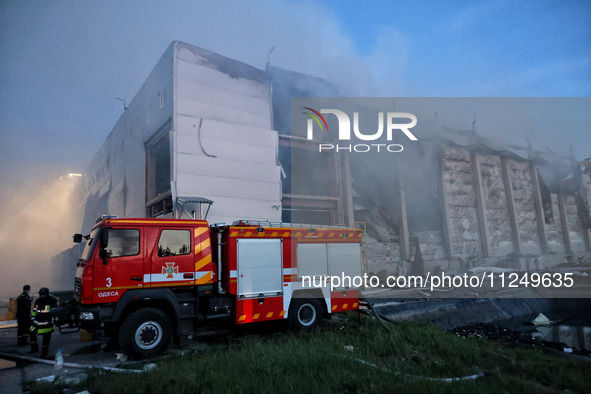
(103, 217)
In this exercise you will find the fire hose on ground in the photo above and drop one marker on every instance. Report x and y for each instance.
(382, 319)
(379, 317)
(14, 357)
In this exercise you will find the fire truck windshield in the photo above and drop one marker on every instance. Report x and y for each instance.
(89, 247)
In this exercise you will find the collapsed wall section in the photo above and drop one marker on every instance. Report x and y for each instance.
(431, 245)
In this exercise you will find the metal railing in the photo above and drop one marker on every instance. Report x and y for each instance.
(267, 223)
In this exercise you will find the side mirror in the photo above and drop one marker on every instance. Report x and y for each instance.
(103, 255)
(77, 238)
(104, 243)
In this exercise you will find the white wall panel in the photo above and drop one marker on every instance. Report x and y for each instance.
(202, 75)
(229, 209)
(208, 110)
(229, 169)
(224, 98)
(224, 131)
(246, 153)
(239, 134)
(189, 144)
(236, 209)
(226, 115)
(208, 186)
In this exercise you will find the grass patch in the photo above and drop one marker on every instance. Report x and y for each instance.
(317, 362)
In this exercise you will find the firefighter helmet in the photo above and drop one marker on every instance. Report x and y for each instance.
(44, 291)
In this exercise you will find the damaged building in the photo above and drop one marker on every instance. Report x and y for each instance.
(206, 128)
(458, 200)
(203, 128)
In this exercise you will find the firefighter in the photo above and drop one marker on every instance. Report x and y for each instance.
(23, 316)
(41, 321)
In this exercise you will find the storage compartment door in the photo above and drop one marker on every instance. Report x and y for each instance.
(312, 260)
(345, 259)
(260, 267)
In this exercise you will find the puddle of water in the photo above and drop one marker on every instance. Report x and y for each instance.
(572, 329)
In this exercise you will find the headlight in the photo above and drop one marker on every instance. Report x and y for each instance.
(86, 316)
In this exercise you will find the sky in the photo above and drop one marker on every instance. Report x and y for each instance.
(63, 62)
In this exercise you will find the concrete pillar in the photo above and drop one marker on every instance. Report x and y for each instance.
(511, 205)
(347, 194)
(338, 188)
(480, 204)
(403, 222)
(564, 221)
(540, 217)
(444, 208)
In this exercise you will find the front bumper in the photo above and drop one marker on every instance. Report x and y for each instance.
(94, 317)
(88, 317)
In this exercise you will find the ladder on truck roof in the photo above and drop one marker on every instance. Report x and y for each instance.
(267, 223)
(181, 206)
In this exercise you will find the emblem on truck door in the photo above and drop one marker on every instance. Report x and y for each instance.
(169, 270)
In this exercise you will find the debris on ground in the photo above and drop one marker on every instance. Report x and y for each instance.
(49, 378)
(509, 336)
(541, 320)
(121, 356)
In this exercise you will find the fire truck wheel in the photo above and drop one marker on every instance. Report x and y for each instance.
(304, 313)
(145, 333)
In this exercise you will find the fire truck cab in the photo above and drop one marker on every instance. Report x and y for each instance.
(150, 281)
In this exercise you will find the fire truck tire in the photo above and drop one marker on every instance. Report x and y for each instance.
(305, 313)
(145, 333)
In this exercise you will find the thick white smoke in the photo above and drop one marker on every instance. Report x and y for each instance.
(39, 224)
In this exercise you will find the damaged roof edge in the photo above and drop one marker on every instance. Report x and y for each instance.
(470, 139)
(484, 149)
(232, 67)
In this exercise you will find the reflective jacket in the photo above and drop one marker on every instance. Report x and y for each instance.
(41, 316)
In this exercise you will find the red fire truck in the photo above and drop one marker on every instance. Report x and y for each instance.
(151, 281)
